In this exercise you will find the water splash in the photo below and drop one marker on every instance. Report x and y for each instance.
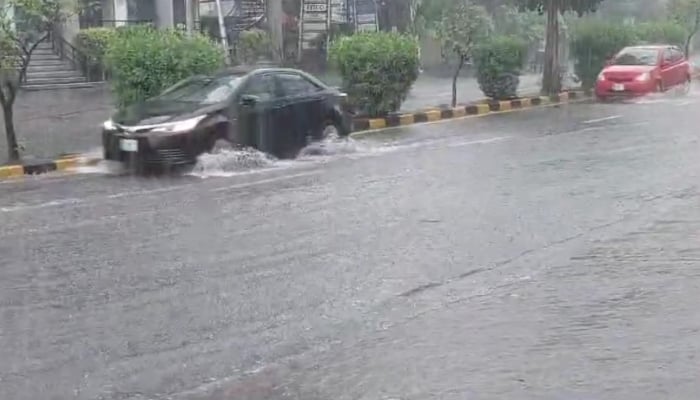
(93, 163)
(330, 147)
(225, 160)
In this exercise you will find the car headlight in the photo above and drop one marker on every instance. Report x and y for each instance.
(643, 77)
(179, 126)
(601, 77)
(109, 125)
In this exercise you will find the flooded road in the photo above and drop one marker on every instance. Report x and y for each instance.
(548, 254)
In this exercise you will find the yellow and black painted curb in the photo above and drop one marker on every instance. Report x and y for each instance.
(477, 108)
(41, 167)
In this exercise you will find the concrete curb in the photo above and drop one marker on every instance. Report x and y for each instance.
(477, 108)
(42, 167)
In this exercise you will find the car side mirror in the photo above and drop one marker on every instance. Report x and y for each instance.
(249, 100)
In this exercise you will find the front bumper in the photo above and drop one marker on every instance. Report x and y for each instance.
(607, 89)
(175, 150)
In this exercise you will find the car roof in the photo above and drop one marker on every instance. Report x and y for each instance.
(651, 46)
(254, 69)
(248, 70)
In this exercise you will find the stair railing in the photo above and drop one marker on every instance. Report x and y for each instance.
(67, 51)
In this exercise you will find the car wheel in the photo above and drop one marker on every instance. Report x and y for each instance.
(660, 87)
(685, 86)
(330, 131)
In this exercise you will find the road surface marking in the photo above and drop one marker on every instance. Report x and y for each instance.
(264, 181)
(52, 203)
(483, 141)
(610, 118)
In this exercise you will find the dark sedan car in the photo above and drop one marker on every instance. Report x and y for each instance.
(276, 110)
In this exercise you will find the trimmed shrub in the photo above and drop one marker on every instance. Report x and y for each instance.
(94, 42)
(498, 62)
(377, 68)
(663, 32)
(144, 61)
(254, 44)
(593, 43)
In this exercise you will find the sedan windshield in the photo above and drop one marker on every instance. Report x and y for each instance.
(636, 57)
(202, 89)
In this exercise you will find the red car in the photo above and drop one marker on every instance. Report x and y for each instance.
(640, 70)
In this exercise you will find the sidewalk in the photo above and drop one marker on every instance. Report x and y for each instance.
(429, 91)
(50, 123)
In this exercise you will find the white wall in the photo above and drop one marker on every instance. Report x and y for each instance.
(164, 13)
(121, 12)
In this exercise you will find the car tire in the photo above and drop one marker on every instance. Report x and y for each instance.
(330, 131)
(685, 87)
(660, 87)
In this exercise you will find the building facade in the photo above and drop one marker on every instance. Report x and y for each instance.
(162, 13)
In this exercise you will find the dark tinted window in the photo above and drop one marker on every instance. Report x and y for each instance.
(668, 56)
(295, 85)
(202, 89)
(262, 86)
(636, 56)
(677, 55)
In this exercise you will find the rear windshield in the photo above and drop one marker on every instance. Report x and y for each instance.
(636, 56)
(202, 89)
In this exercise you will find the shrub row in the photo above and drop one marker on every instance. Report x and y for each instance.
(377, 69)
(143, 60)
(594, 42)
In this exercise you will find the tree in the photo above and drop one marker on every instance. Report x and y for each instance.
(687, 14)
(527, 25)
(463, 26)
(551, 79)
(23, 25)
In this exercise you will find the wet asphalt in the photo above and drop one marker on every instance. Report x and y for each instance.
(547, 254)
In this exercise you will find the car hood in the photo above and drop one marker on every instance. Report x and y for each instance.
(154, 112)
(626, 71)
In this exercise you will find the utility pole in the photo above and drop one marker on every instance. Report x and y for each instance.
(551, 79)
(189, 17)
(275, 20)
(222, 32)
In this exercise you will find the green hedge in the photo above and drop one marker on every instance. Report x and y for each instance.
(254, 44)
(144, 60)
(498, 62)
(593, 43)
(664, 32)
(94, 42)
(377, 68)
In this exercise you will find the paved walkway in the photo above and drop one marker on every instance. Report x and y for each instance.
(64, 121)
(52, 122)
(431, 91)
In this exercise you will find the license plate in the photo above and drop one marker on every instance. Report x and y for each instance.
(618, 87)
(129, 145)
